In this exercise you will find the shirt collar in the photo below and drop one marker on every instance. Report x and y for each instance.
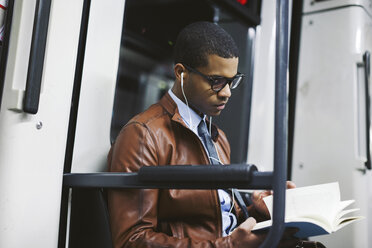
(188, 114)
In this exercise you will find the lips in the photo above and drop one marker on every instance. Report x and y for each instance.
(221, 106)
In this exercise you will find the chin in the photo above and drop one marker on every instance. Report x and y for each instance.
(217, 113)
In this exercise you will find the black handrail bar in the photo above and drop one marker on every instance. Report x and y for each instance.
(281, 125)
(242, 176)
(367, 74)
(37, 55)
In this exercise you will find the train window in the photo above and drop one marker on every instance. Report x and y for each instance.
(145, 70)
(6, 11)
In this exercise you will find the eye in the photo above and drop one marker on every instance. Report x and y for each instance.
(219, 83)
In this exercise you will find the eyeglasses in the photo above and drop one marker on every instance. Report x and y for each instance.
(218, 82)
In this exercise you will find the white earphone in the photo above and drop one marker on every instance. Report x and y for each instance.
(187, 103)
(182, 80)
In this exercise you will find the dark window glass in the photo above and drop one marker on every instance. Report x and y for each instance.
(145, 70)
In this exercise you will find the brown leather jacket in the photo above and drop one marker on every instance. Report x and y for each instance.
(164, 218)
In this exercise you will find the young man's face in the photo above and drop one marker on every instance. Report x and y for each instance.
(199, 92)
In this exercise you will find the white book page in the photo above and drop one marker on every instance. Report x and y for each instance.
(347, 220)
(343, 204)
(319, 201)
(345, 212)
(338, 219)
(262, 224)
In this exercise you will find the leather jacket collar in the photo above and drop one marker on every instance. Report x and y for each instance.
(171, 107)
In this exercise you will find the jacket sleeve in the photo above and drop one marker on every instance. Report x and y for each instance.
(133, 212)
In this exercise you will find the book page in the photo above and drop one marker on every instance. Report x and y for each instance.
(320, 202)
(346, 221)
(338, 219)
(343, 204)
(315, 210)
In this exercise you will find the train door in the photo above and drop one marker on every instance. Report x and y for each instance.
(332, 120)
(38, 58)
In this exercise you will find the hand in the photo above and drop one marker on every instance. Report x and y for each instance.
(258, 203)
(243, 236)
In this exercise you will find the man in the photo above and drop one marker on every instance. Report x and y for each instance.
(171, 132)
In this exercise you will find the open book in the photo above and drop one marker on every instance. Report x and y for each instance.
(314, 210)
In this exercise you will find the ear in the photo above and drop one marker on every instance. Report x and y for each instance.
(178, 69)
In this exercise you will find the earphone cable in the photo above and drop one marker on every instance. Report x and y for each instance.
(187, 103)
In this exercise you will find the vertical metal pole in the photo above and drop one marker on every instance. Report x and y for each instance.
(63, 221)
(281, 124)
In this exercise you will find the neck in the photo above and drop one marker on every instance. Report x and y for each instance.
(177, 91)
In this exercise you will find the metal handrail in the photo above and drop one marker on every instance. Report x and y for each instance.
(242, 176)
(37, 55)
(281, 125)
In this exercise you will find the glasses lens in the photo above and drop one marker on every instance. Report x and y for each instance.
(235, 83)
(219, 83)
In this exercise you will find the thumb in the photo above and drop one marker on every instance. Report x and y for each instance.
(248, 224)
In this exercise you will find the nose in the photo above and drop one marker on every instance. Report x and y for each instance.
(225, 92)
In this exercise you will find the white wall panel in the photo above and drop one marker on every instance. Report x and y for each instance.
(31, 159)
(311, 5)
(261, 133)
(327, 123)
(92, 139)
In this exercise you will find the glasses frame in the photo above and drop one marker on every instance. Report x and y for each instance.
(212, 79)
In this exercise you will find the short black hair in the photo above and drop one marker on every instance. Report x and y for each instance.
(200, 39)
